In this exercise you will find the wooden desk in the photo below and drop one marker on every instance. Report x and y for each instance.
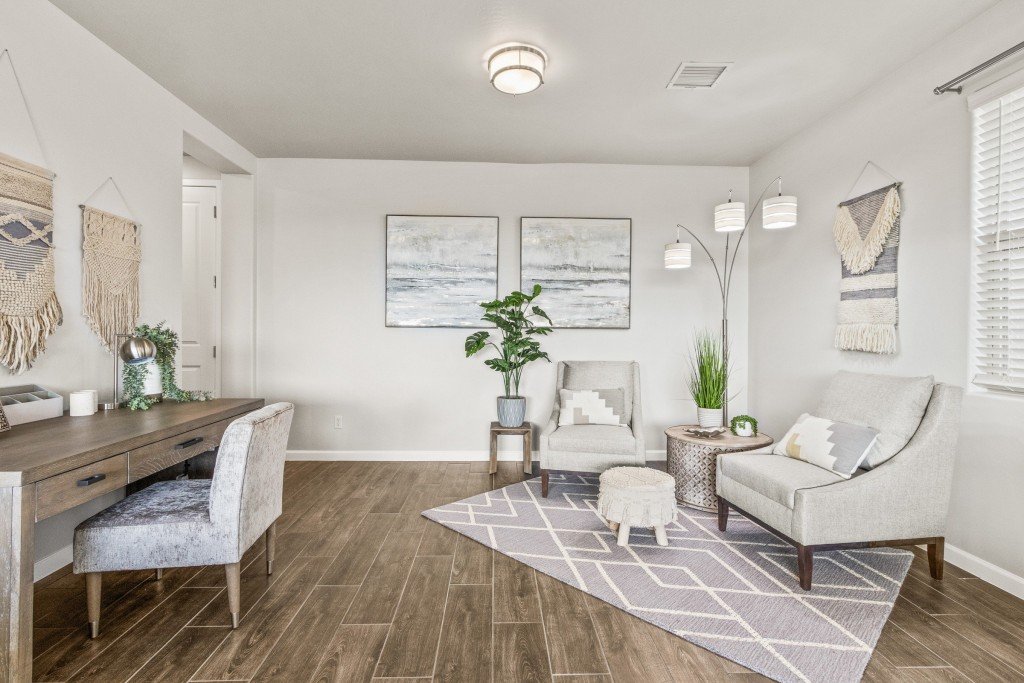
(50, 466)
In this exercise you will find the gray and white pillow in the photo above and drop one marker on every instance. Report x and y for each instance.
(837, 446)
(591, 407)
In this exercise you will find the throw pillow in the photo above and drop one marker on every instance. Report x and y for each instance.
(591, 407)
(837, 446)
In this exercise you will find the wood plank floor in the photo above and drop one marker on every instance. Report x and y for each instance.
(364, 588)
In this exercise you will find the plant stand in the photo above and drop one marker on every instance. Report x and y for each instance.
(524, 430)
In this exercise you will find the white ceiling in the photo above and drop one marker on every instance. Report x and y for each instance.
(404, 79)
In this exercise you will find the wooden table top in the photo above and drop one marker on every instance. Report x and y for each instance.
(726, 441)
(522, 429)
(36, 450)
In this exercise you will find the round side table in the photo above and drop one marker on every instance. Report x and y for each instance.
(691, 461)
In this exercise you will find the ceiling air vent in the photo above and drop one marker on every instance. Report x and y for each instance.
(697, 74)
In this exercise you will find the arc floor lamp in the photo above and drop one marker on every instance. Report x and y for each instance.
(776, 213)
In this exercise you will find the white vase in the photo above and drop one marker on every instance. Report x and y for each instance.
(152, 385)
(709, 417)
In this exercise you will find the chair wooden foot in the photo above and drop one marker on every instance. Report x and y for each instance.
(93, 594)
(233, 574)
(544, 483)
(936, 560)
(159, 574)
(805, 565)
(271, 547)
(723, 513)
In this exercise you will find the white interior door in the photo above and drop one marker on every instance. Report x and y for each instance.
(200, 311)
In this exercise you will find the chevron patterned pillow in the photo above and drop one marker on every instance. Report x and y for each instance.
(591, 407)
(837, 446)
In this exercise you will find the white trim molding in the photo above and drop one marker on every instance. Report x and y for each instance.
(431, 456)
(985, 570)
(52, 563)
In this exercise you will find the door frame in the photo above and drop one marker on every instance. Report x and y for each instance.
(216, 185)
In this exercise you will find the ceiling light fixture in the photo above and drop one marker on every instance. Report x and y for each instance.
(516, 68)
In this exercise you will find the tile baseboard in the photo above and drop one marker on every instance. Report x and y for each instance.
(430, 456)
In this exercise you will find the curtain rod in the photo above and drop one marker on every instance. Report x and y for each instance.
(954, 85)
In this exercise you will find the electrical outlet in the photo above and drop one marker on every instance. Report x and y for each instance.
(338, 424)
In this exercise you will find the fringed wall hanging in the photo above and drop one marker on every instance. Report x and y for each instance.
(112, 252)
(867, 234)
(29, 310)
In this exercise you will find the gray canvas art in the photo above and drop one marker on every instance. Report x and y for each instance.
(583, 265)
(439, 268)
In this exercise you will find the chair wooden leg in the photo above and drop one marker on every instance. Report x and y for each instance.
(723, 514)
(544, 483)
(271, 547)
(805, 565)
(93, 593)
(159, 574)
(936, 560)
(232, 573)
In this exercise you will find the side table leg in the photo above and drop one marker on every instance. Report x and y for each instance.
(17, 528)
(623, 534)
(528, 453)
(494, 453)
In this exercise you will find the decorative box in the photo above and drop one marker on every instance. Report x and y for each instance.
(30, 402)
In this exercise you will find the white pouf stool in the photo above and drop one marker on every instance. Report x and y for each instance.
(637, 496)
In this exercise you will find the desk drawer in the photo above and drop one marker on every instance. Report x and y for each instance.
(65, 491)
(144, 461)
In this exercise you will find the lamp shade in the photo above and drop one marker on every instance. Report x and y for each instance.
(730, 217)
(779, 212)
(517, 69)
(137, 351)
(677, 255)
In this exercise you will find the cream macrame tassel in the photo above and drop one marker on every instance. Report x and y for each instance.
(110, 274)
(859, 255)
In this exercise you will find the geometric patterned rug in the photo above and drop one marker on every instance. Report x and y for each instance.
(735, 594)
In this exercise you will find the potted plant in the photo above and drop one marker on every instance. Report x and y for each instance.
(707, 380)
(137, 379)
(515, 317)
(743, 425)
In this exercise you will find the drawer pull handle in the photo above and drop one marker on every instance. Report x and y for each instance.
(89, 481)
(190, 442)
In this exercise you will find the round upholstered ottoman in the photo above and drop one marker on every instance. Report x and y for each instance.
(637, 496)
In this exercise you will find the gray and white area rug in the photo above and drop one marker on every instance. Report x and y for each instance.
(735, 594)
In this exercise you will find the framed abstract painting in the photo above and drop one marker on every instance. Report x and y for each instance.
(439, 269)
(583, 266)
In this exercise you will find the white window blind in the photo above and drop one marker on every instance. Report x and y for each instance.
(998, 218)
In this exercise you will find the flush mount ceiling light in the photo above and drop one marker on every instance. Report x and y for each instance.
(516, 68)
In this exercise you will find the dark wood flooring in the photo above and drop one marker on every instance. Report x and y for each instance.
(366, 588)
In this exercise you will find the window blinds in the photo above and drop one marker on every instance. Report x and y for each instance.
(998, 219)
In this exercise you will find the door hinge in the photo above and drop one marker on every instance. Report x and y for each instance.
(215, 282)
(214, 351)
(214, 210)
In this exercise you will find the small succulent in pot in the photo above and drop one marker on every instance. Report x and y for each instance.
(743, 425)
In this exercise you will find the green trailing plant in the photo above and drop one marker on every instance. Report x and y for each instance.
(708, 371)
(516, 318)
(134, 376)
(742, 418)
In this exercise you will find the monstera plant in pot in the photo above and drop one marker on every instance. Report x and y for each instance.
(516, 318)
(707, 381)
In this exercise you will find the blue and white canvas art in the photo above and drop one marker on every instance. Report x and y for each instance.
(439, 268)
(583, 265)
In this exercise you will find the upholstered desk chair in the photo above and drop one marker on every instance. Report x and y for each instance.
(902, 500)
(195, 522)
(594, 448)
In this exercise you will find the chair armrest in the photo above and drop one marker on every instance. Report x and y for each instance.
(548, 429)
(637, 425)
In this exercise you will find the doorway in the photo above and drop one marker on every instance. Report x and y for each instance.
(201, 301)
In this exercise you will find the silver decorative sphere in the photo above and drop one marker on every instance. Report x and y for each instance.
(137, 351)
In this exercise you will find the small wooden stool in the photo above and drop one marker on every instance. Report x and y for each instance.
(526, 431)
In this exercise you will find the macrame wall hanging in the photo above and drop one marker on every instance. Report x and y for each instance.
(112, 252)
(867, 234)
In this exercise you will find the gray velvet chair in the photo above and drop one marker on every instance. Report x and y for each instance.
(195, 522)
(594, 448)
(902, 500)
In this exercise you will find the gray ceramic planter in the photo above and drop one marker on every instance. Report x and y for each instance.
(511, 411)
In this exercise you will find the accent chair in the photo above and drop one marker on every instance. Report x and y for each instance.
(903, 499)
(195, 522)
(594, 448)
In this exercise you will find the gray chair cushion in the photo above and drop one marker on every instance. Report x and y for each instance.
(892, 405)
(593, 439)
(777, 477)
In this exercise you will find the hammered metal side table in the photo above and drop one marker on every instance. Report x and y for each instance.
(691, 461)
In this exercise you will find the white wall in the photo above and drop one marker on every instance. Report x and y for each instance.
(97, 116)
(322, 341)
(193, 169)
(924, 140)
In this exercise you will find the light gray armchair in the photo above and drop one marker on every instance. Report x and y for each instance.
(902, 500)
(594, 448)
(195, 522)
